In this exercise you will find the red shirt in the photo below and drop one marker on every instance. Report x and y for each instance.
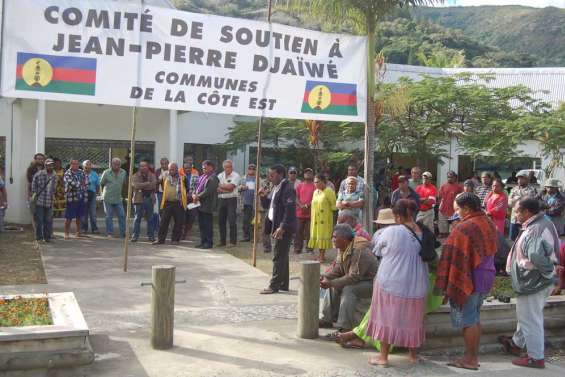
(427, 191)
(304, 194)
(562, 263)
(447, 194)
(394, 182)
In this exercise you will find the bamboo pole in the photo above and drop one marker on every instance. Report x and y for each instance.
(130, 187)
(258, 171)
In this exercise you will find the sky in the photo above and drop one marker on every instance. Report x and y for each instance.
(530, 3)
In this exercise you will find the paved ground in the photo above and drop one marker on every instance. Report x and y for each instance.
(222, 326)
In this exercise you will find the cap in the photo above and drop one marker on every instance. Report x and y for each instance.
(427, 174)
(451, 173)
(251, 166)
(49, 161)
(385, 217)
(402, 178)
(292, 168)
(522, 173)
(308, 170)
(469, 182)
(552, 182)
(486, 174)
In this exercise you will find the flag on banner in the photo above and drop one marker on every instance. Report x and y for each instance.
(330, 98)
(56, 74)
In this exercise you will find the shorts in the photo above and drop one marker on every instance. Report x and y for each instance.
(470, 313)
(75, 210)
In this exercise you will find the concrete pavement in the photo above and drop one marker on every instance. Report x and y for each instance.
(223, 327)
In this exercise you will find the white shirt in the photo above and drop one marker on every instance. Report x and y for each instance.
(234, 179)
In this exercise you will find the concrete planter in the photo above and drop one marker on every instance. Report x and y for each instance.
(63, 344)
(496, 319)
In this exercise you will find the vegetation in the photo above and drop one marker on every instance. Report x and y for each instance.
(24, 312)
(538, 32)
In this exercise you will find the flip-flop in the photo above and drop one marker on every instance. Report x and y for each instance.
(331, 337)
(351, 345)
(460, 365)
(385, 365)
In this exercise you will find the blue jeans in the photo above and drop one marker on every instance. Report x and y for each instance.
(109, 211)
(43, 223)
(143, 210)
(90, 214)
(2, 212)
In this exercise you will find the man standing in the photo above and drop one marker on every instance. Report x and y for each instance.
(3, 202)
(207, 196)
(75, 190)
(531, 265)
(293, 177)
(43, 187)
(522, 191)
(37, 164)
(428, 194)
(144, 184)
(173, 205)
(466, 273)
(404, 191)
(447, 193)
(280, 223)
(190, 175)
(248, 189)
(160, 175)
(227, 208)
(554, 204)
(91, 192)
(352, 171)
(416, 177)
(485, 187)
(304, 193)
(112, 183)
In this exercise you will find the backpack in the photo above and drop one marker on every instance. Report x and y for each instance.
(428, 243)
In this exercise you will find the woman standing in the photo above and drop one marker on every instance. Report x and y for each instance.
(496, 204)
(322, 222)
(60, 198)
(400, 288)
(351, 198)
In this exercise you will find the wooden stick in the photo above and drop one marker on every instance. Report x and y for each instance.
(309, 300)
(162, 306)
(130, 187)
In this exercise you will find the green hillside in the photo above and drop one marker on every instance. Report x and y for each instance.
(448, 37)
(534, 31)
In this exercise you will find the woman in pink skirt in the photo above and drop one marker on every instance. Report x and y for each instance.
(400, 288)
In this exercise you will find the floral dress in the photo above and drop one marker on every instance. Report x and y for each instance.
(322, 220)
(60, 198)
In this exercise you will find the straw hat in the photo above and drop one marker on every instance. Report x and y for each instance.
(385, 217)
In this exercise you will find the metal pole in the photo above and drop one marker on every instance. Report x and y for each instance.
(130, 187)
(258, 171)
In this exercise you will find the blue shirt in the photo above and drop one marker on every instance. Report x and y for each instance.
(93, 181)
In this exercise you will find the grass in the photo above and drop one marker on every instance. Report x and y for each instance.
(20, 258)
(502, 286)
(21, 311)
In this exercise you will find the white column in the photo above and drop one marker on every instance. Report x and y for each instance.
(40, 127)
(174, 137)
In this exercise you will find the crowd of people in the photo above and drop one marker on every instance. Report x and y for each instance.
(397, 269)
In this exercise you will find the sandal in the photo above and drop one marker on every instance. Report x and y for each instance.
(356, 344)
(459, 364)
(331, 337)
(376, 360)
(509, 346)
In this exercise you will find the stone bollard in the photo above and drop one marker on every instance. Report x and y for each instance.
(309, 300)
(162, 306)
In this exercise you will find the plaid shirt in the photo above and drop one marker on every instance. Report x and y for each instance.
(76, 184)
(482, 192)
(43, 185)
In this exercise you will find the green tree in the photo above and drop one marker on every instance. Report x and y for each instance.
(362, 16)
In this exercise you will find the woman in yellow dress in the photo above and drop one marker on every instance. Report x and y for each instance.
(322, 217)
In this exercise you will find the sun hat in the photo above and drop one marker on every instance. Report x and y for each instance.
(49, 161)
(552, 182)
(385, 217)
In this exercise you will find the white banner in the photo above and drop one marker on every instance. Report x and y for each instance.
(117, 53)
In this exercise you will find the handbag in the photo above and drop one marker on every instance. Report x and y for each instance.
(428, 243)
(35, 195)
